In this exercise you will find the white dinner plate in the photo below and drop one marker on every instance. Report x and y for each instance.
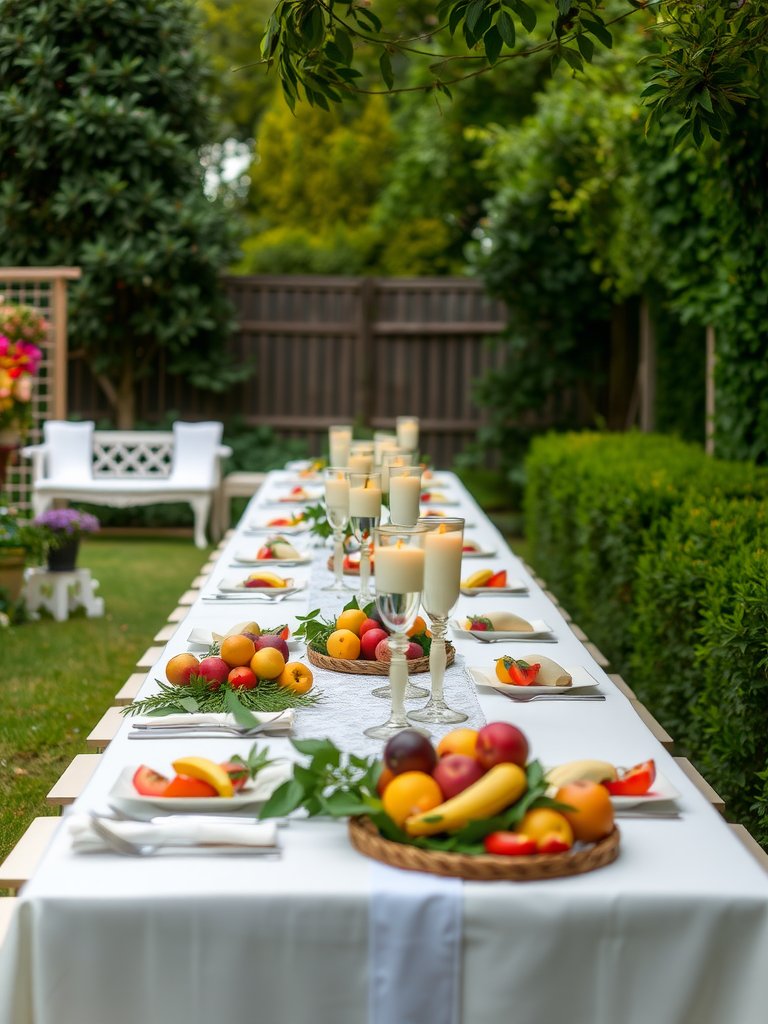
(540, 631)
(443, 501)
(246, 558)
(308, 498)
(266, 527)
(582, 680)
(236, 585)
(479, 553)
(512, 587)
(204, 638)
(123, 797)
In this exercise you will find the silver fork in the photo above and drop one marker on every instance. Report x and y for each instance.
(553, 696)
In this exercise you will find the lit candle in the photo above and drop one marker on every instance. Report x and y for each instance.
(399, 570)
(337, 496)
(365, 501)
(407, 431)
(404, 494)
(339, 440)
(442, 570)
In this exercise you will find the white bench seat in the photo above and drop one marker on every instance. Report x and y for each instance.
(127, 468)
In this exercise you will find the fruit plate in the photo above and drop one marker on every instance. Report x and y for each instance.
(235, 585)
(245, 558)
(539, 631)
(479, 553)
(362, 667)
(662, 795)
(517, 587)
(204, 638)
(582, 680)
(123, 797)
(270, 526)
(485, 867)
(306, 498)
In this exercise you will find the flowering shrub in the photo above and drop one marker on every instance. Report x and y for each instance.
(22, 330)
(61, 525)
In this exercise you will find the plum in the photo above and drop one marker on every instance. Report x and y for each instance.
(409, 751)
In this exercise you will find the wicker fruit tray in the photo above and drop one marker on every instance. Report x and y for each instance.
(361, 667)
(485, 868)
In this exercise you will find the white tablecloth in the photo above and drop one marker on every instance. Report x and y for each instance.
(674, 932)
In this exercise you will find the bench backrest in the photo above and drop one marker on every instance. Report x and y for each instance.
(132, 453)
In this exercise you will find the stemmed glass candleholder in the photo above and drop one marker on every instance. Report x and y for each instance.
(404, 494)
(337, 512)
(364, 515)
(443, 546)
(399, 554)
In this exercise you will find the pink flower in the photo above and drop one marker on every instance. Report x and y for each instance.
(5, 344)
(22, 391)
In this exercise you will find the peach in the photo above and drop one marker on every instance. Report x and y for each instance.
(180, 668)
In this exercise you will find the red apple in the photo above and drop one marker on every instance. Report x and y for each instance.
(369, 641)
(552, 842)
(243, 678)
(214, 671)
(271, 640)
(367, 624)
(454, 772)
(414, 651)
(500, 742)
(383, 653)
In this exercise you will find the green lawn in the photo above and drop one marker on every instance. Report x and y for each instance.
(58, 678)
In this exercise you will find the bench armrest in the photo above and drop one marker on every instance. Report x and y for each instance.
(37, 453)
(223, 451)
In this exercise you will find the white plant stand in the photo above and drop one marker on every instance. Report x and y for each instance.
(61, 593)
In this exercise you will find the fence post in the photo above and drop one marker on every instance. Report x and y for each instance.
(364, 354)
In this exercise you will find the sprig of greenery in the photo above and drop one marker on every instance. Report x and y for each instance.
(254, 762)
(199, 697)
(344, 786)
(314, 630)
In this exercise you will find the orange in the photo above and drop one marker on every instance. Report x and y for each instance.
(411, 793)
(542, 822)
(458, 741)
(502, 672)
(343, 644)
(296, 676)
(268, 663)
(593, 817)
(237, 650)
(352, 619)
(419, 626)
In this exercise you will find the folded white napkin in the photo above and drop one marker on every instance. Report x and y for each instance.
(177, 833)
(276, 721)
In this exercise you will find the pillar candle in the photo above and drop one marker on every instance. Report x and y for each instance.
(408, 432)
(360, 463)
(404, 492)
(365, 502)
(442, 571)
(337, 497)
(399, 570)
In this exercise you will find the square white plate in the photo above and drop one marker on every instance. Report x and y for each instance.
(249, 558)
(582, 680)
(479, 553)
(541, 631)
(123, 797)
(661, 792)
(204, 638)
(309, 498)
(512, 587)
(265, 527)
(236, 585)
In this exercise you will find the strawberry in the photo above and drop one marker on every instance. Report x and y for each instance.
(265, 552)
(521, 673)
(480, 624)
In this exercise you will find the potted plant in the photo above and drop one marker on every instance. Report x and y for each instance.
(18, 541)
(62, 529)
(22, 330)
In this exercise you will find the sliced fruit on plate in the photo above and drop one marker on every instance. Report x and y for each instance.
(505, 622)
(550, 673)
(265, 579)
(208, 771)
(187, 786)
(478, 624)
(635, 781)
(499, 579)
(469, 546)
(148, 782)
(517, 671)
(588, 768)
(478, 579)
(277, 547)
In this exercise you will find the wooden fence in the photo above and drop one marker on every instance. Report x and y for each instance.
(340, 349)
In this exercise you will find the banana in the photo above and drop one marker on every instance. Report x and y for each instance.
(268, 578)
(207, 771)
(478, 579)
(500, 787)
(573, 771)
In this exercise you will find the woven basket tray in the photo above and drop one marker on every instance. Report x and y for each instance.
(361, 667)
(485, 868)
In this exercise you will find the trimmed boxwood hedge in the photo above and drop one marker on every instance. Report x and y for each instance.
(658, 552)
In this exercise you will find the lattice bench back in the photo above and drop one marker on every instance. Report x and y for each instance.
(145, 454)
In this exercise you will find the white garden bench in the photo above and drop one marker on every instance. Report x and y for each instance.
(125, 468)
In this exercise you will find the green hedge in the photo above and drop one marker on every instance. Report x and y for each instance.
(659, 553)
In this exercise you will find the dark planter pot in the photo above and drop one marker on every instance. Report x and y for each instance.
(63, 559)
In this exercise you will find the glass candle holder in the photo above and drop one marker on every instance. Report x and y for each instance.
(443, 546)
(336, 480)
(407, 428)
(364, 515)
(361, 457)
(339, 442)
(399, 555)
(404, 494)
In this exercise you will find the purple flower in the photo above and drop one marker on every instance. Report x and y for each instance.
(68, 521)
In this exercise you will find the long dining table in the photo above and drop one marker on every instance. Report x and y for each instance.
(675, 931)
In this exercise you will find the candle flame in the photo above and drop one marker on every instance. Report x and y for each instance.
(442, 528)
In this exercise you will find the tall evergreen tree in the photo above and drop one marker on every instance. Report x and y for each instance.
(104, 106)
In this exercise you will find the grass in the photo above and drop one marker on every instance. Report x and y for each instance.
(58, 678)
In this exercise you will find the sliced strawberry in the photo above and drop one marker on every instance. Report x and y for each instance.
(480, 624)
(521, 673)
(265, 552)
(499, 579)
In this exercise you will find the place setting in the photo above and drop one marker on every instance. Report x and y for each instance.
(493, 583)
(275, 550)
(258, 586)
(498, 627)
(533, 676)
